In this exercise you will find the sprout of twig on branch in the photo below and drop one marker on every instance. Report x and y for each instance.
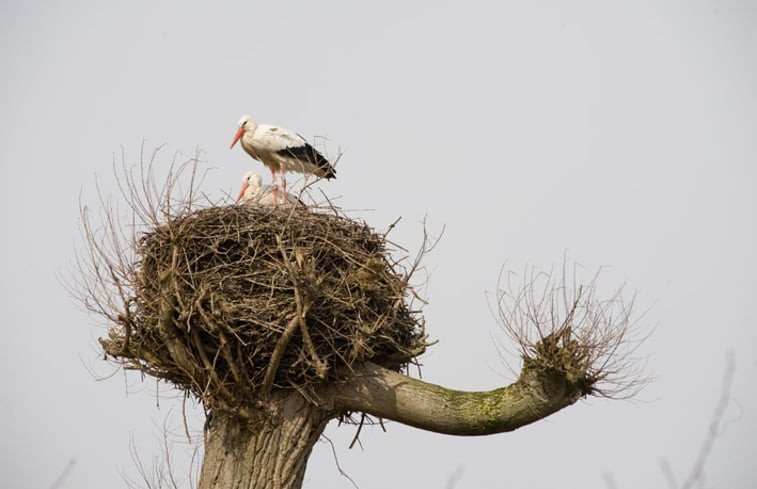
(562, 324)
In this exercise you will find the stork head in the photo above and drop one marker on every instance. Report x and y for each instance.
(246, 123)
(250, 180)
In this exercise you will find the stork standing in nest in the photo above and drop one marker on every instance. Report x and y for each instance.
(281, 150)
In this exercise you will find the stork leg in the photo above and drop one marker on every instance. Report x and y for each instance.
(275, 188)
(283, 183)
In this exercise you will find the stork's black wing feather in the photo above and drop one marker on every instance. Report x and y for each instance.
(306, 152)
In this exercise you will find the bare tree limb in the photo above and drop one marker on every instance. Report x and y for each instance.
(391, 395)
(716, 422)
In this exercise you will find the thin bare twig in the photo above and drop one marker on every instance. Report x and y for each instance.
(336, 461)
(560, 323)
(64, 474)
(697, 471)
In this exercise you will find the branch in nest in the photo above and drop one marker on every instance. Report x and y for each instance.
(278, 352)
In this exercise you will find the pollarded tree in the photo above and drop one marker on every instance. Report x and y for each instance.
(281, 319)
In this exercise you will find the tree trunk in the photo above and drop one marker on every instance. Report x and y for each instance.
(269, 452)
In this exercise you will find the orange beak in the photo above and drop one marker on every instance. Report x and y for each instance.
(237, 136)
(244, 185)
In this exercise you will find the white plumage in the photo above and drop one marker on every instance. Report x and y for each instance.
(253, 192)
(281, 150)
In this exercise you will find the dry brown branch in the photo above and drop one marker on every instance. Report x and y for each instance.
(303, 298)
(561, 324)
(278, 352)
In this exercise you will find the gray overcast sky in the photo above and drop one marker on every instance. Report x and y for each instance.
(622, 132)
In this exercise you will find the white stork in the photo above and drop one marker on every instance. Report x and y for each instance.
(253, 192)
(281, 150)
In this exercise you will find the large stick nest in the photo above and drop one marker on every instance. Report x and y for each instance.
(230, 302)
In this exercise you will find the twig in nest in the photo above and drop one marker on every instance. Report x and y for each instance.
(278, 352)
(303, 304)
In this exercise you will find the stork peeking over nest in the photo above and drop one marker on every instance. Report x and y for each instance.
(281, 150)
(253, 192)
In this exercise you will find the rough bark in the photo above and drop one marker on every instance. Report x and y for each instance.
(271, 451)
(268, 452)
